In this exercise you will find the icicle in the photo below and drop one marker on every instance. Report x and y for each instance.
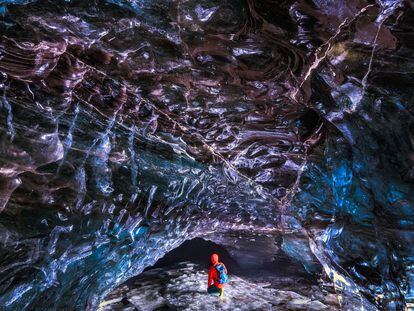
(67, 144)
(134, 168)
(150, 199)
(80, 178)
(8, 109)
(102, 137)
(102, 172)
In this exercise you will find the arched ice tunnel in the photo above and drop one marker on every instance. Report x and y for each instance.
(136, 133)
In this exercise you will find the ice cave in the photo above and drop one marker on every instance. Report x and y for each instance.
(138, 137)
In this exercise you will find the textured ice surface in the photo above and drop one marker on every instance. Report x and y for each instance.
(130, 126)
(183, 287)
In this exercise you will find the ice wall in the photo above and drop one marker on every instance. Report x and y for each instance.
(130, 126)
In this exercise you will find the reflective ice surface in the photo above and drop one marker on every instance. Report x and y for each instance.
(130, 126)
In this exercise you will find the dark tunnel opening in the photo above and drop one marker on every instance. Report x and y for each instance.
(198, 251)
(246, 262)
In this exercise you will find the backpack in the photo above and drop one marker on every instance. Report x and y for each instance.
(222, 275)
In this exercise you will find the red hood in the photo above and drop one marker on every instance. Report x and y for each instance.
(214, 259)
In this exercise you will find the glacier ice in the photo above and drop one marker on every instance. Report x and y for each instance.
(130, 126)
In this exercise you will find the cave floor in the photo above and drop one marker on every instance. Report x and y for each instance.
(182, 286)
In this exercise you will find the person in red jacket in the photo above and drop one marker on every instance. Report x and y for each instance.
(216, 285)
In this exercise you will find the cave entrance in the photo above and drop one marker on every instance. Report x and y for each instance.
(244, 259)
(197, 251)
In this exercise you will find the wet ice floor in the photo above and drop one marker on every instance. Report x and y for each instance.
(183, 287)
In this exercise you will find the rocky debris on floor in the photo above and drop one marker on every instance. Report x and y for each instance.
(183, 287)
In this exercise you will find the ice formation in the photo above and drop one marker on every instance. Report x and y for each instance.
(130, 126)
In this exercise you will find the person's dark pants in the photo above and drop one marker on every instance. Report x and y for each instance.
(214, 290)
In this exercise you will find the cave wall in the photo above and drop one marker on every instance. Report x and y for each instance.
(131, 126)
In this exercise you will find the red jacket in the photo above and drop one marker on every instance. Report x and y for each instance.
(213, 275)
